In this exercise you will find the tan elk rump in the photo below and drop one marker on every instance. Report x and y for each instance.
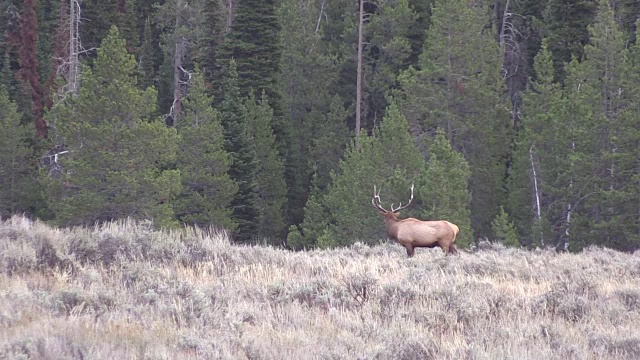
(412, 233)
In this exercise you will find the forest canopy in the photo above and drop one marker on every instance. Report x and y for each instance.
(273, 119)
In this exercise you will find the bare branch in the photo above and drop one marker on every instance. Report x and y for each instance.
(320, 16)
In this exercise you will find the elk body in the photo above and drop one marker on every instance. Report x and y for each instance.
(412, 233)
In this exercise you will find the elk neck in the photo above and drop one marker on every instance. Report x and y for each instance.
(392, 223)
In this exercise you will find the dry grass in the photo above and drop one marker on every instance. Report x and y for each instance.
(124, 291)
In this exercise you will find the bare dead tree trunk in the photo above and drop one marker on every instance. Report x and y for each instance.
(73, 76)
(320, 16)
(359, 75)
(178, 55)
(538, 218)
(177, 80)
(231, 11)
(503, 28)
(569, 210)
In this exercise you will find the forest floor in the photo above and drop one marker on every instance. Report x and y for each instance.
(125, 291)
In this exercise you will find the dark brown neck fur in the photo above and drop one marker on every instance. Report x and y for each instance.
(391, 221)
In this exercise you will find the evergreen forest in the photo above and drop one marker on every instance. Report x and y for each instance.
(518, 120)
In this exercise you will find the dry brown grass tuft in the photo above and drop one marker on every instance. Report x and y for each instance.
(125, 291)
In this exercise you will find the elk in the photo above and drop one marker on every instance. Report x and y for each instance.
(412, 233)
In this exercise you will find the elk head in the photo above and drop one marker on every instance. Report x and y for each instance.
(412, 233)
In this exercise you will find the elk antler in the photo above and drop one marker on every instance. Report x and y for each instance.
(375, 200)
(400, 207)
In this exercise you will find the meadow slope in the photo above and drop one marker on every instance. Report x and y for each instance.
(125, 291)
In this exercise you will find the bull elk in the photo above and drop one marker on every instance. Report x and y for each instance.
(412, 233)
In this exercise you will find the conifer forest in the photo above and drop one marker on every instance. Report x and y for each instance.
(517, 120)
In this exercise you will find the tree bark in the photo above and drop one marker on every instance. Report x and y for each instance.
(359, 75)
(538, 218)
(231, 11)
(74, 46)
(28, 74)
(177, 69)
(320, 16)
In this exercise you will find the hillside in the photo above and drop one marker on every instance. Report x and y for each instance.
(124, 291)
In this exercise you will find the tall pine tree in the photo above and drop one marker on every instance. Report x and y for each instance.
(566, 23)
(117, 155)
(243, 158)
(458, 88)
(254, 44)
(207, 187)
(539, 141)
(16, 172)
(29, 65)
(389, 160)
(271, 189)
(612, 209)
(444, 190)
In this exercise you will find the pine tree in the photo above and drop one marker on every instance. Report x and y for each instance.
(254, 44)
(243, 155)
(59, 52)
(117, 156)
(566, 23)
(6, 75)
(146, 57)
(212, 27)
(331, 137)
(416, 33)
(541, 138)
(16, 173)
(308, 76)
(316, 217)
(10, 27)
(180, 18)
(389, 160)
(126, 22)
(444, 192)
(504, 231)
(388, 51)
(458, 88)
(271, 189)
(615, 137)
(47, 15)
(207, 187)
(583, 146)
(29, 65)
(628, 12)
(98, 18)
(631, 136)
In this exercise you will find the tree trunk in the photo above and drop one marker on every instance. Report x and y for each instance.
(177, 80)
(177, 70)
(320, 16)
(538, 218)
(231, 11)
(359, 75)
(28, 73)
(74, 45)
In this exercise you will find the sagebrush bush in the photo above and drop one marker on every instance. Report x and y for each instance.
(125, 290)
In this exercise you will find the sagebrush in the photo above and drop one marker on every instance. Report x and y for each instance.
(126, 291)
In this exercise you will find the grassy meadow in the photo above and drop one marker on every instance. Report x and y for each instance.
(126, 291)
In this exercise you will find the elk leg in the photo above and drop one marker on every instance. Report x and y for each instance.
(452, 249)
(410, 250)
(445, 248)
